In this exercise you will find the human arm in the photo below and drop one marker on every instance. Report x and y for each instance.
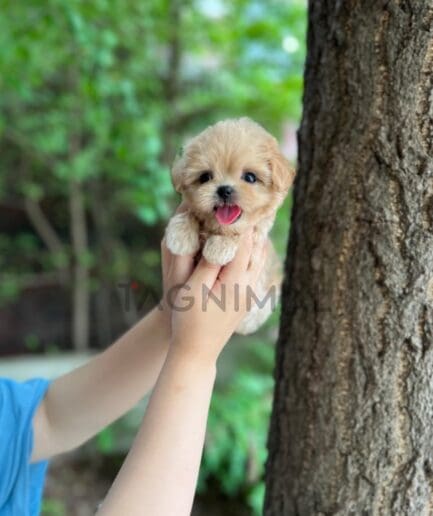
(160, 473)
(79, 404)
(84, 401)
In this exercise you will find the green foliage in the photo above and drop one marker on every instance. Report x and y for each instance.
(31, 342)
(235, 449)
(51, 507)
(280, 230)
(105, 441)
(9, 289)
(103, 93)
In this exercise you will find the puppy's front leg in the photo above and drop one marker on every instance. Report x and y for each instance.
(220, 249)
(182, 234)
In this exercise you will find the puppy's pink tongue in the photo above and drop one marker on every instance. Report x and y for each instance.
(227, 214)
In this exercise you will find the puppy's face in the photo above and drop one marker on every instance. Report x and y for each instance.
(232, 175)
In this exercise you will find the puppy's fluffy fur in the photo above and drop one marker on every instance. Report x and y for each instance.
(241, 155)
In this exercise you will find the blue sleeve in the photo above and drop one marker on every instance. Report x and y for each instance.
(21, 483)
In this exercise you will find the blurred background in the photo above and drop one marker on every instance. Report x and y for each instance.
(95, 99)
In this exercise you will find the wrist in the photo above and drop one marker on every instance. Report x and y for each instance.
(192, 356)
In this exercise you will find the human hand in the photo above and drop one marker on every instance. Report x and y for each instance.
(207, 309)
(176, 270)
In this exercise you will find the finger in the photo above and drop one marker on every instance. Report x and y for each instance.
(239, 264)
(176, 269)
(165, 256)
(164, 249)
(205, 274)
(181, 268)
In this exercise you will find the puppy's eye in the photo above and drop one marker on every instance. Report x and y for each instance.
(205, 177)
(249, 177)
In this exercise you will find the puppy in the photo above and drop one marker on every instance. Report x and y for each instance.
(232, 176)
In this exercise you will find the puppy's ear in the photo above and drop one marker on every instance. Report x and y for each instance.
(283, 173)
(178, 170)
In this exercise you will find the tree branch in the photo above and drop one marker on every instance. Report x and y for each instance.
(81, 294)
(43, 227)
(26, 146)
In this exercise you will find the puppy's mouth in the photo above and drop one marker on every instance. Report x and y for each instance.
(227, 213)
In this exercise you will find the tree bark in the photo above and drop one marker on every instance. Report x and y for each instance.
(43, 227)
(352, 423)
(103, 228)
(172, 80)
(81, 276)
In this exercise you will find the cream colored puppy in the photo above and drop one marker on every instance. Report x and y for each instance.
(232, 177)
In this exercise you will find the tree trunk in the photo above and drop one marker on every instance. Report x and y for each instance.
(81, 280)
(352, 423)
(172, 80)
(102, 221)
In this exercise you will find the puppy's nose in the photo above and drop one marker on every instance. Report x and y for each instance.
(224, 192)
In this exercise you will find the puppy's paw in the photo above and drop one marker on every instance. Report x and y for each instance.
(219, 249)
(182, 234)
